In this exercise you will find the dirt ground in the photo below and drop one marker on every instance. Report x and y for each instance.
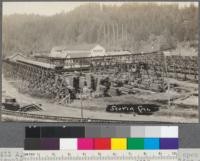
(95, 108)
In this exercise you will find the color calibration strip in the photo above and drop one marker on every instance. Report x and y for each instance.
(102, 138)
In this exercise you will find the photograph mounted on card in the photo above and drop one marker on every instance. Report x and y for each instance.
(125, 62)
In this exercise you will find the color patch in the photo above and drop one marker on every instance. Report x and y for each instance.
(32, 144)
(169, 132)
(137, 131)
(92, 132)
(49, 144)
(32, 132)
(169, 143)
(68, 144)
(102, 143)
(135, 143)
(151, 143)
(118, 143)
(152, 131)
(77, 132)
(85, 144)
(63, 132)
(108, 131)
(122, 132)
(54, 132)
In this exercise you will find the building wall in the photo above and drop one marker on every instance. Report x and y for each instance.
(59, 54)
(97, 51)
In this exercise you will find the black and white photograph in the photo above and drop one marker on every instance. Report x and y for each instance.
(100, 62)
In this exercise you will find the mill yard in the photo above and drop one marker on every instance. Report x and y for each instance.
(81, 83)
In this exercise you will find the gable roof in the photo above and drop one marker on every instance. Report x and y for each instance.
(15, 56)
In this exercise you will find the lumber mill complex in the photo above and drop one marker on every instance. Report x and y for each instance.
(68, 75)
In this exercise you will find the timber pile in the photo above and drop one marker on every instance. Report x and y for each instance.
(118, 75)
(185, 65)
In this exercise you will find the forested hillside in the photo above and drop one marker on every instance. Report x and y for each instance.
(131, 27)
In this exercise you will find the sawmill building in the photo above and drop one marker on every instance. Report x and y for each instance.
(78, 51)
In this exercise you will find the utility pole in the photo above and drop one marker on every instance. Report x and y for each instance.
(168, 83)
(122, 34)
(81, 105)
(81, 93)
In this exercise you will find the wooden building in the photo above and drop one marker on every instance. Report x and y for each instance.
(76, 51)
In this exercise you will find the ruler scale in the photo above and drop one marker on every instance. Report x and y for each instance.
(63, 155)
(17, 154)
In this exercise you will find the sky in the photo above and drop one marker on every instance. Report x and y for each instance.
(51, 8)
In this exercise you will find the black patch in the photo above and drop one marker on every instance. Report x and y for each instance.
(141, 109)
(63, 132)
(32, 144)
(32, 132)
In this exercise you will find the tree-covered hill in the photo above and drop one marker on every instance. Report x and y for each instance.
(134, 27)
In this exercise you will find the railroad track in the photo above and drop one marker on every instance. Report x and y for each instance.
(68, 119)
(56, 118)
